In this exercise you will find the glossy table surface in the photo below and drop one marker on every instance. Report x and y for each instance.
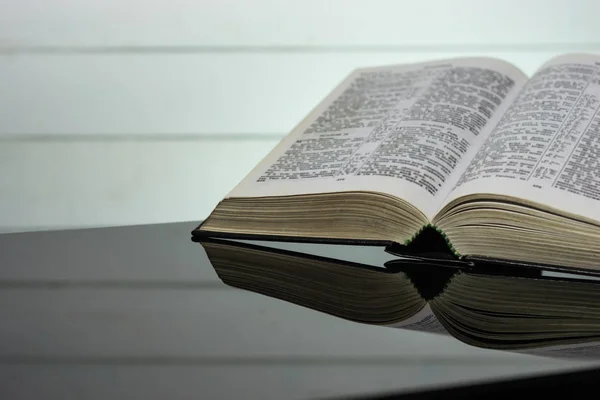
(139, 312)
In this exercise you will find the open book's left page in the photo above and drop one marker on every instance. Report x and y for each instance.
(401, 130)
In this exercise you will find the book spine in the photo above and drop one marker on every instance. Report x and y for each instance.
(438, 230)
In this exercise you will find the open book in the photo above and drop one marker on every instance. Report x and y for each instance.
(504, 166)
(490, 308)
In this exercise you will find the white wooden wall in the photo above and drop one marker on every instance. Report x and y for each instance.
(128, 111)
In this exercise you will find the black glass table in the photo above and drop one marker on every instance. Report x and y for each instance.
(139, 312)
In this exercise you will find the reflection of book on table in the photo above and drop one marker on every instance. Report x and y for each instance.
(504, 166)
(527, 313)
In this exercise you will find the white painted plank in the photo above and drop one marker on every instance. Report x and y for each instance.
(296, 23)
(184, 93)
(275, 381)
(192, 324)
(87, 183)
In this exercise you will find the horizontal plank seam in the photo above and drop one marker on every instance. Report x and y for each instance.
(69, 284)
(17, 359)
(27, 229)
(138, 137)
(192, 49)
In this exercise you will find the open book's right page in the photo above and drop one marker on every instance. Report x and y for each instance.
(546, 148)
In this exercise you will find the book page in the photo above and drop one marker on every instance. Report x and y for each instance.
(546, 148)
(400, 130)
(425, 321)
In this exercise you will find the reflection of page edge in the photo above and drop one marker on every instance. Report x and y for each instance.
(263, 277)
(429, 318)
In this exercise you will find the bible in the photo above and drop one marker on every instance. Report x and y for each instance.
(503, 166)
